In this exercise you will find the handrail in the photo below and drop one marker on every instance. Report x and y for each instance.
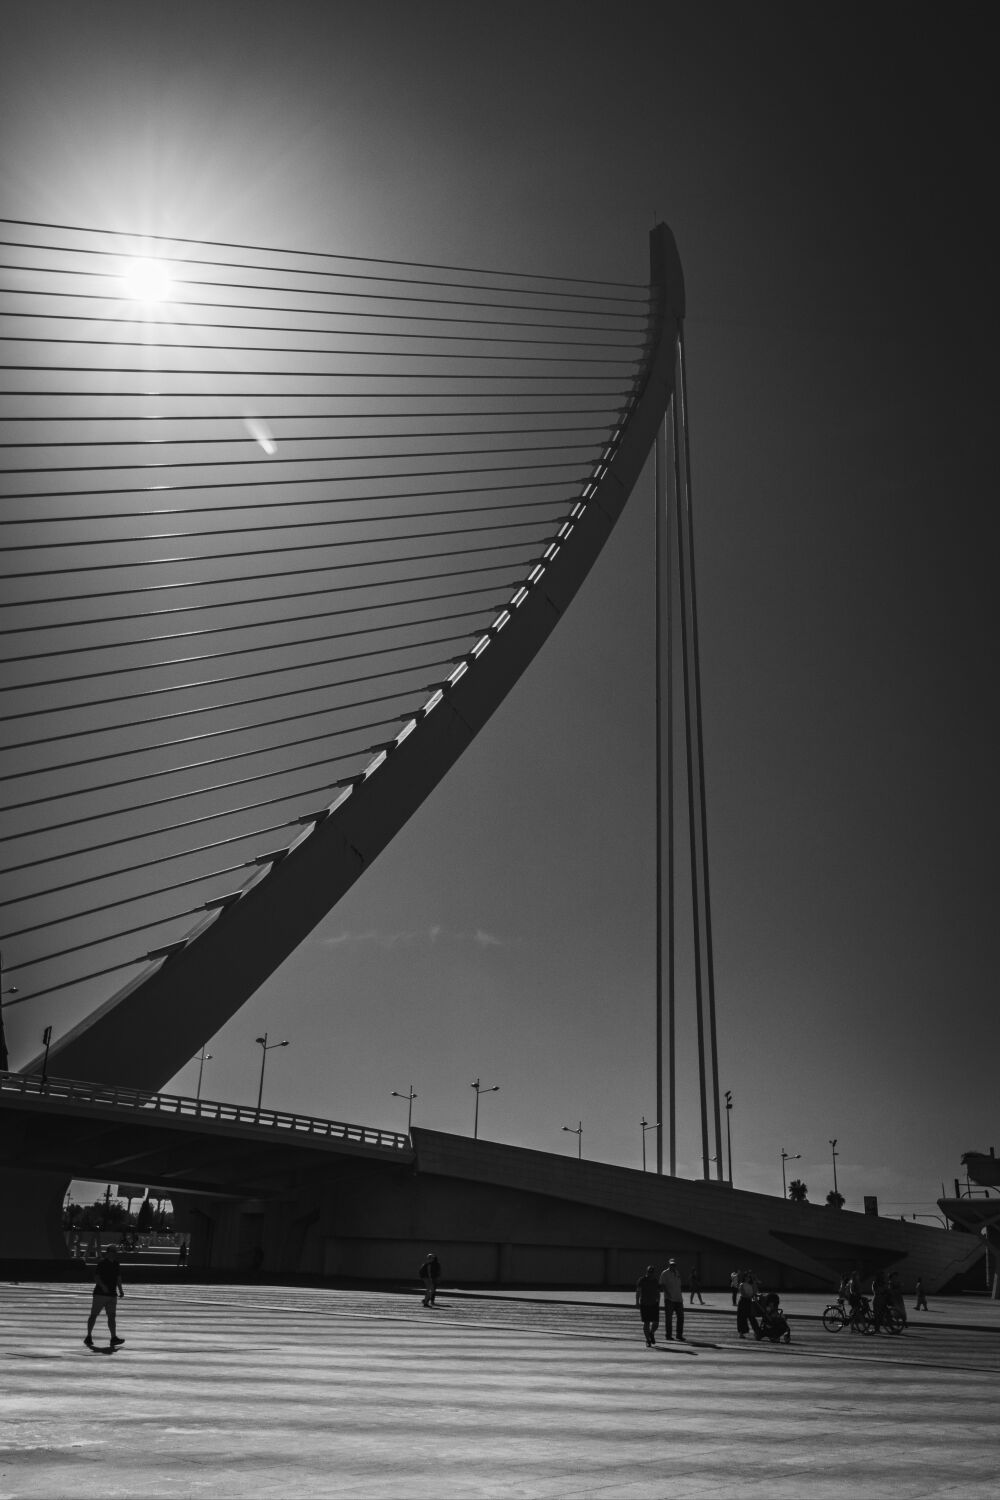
(76, 1091)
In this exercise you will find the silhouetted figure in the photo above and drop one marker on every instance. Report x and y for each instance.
(673, 1301)
(182, 1256)
(430, 1275)
(880, 1297)
(694, 1287)
(921, 1296)
(852, 1293)
(746, 1305)
(896, 1295)
(107, 1290)
(647, 1300)
(734, 1286)
(773, 1323)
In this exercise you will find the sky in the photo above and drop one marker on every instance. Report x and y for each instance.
(826, 176)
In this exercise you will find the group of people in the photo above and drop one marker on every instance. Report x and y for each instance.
(886, 1291)
(755, 1310)
(647, 1299)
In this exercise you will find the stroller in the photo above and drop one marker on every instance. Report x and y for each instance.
(773, 1323)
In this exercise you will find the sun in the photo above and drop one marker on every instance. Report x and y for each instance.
(146, 281)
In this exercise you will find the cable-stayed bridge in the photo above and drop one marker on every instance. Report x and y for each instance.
(280, 530)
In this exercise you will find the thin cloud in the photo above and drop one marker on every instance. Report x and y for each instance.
(429, 936)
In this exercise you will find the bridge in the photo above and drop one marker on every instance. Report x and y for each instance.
(282, 529)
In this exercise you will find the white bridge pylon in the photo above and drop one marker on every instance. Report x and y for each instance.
(189, 988)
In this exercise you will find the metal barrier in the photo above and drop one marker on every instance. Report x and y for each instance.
(72, 1091)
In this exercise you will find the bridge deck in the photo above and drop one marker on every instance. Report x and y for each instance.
(59, 1095)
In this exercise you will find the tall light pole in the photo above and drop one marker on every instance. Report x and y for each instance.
(10, 990)
(786, 1157)
(409, 1114)
(654, 1126)
(202, 1060)
(577, 1130)
(46, 1043)
(265, 1048)
(480, 1088)
(833, 1148)
(729, 1138)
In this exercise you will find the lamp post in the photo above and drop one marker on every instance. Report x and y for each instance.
(265, 1047)
(729, 1138)
(654, 1126)
(11, 990)
(494, 1088)
(409, 1114)
(577, 1130)
(833, 1148)
(785, 1156)
(46, 1043)
(202, 1060)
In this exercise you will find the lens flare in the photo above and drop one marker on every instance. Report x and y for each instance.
(261, 433)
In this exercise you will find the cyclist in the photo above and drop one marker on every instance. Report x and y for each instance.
(851, 1291)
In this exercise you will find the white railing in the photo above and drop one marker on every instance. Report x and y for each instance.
(72, 1091)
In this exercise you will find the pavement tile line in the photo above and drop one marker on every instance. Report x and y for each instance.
(306, 1306)
(430, 1408)
(415, 1319)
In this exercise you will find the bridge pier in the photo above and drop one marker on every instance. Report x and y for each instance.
(32, 1219)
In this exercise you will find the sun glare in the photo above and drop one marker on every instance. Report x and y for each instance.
(146, 281)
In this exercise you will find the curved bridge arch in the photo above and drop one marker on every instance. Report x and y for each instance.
(142, 1035)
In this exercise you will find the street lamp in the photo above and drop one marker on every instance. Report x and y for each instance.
(729, 1138)
(494, 1088)
(833, 1148)
(409, 1114)
(786, 1157)
(265, 1047)
(578, 1132)
(202, 1060)
(654, 1126)
(10, 990)
(46, 1043)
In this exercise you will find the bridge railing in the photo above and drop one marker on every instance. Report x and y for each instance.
(74, 1091)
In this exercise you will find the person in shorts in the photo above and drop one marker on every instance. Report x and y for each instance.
(107, 1290)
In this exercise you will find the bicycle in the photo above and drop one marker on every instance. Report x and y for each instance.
(837, 1315)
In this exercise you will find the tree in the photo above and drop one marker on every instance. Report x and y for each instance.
(144, 1218)
(834, 1199)
(798, 1191)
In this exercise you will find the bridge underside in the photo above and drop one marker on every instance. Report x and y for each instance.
(495, 1214)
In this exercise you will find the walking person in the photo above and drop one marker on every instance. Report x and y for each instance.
(647, 1300)
(734, 1286)
(896, 1296)
(694, 1287)
(746, 1306)
(673, 1301)
(921, 1296)
(430, 1275)
(107, 1290)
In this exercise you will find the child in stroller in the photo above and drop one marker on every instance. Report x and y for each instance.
(773, 1323)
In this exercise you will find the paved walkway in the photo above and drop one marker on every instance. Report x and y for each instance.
(260, 1391)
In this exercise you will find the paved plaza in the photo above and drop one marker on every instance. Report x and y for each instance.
(267, 1390)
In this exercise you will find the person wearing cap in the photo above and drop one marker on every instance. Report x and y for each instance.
(647, 1300)
(673, 1300)
(107, 1290)
(430, 1275)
